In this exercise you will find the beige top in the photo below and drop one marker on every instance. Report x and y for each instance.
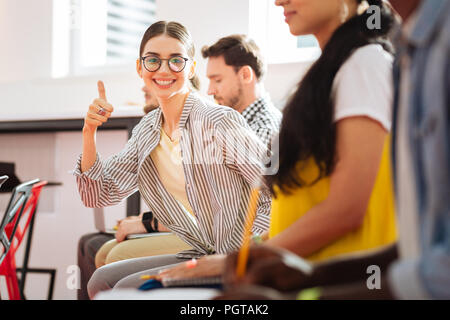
(167, 159)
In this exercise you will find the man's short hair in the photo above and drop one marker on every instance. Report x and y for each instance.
(238, 50)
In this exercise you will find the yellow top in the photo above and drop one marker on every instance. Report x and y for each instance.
(379, 224)
(167, 159)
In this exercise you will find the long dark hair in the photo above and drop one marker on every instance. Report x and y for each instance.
(307, 129)
(174, 30)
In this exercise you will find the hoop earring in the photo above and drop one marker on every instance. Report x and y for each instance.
(344, 12)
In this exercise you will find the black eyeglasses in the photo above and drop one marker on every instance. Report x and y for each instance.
(153, 63)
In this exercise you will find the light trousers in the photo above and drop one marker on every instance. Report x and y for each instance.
(127, 273)
(113, 251)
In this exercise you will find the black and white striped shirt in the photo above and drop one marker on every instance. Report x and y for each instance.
(222, 160)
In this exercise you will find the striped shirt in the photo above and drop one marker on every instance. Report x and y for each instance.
(222, 161)
(264, 119)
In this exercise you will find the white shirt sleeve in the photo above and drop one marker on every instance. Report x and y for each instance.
(364, 87)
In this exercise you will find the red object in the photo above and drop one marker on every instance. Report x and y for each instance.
(191, 263)
(8, 266)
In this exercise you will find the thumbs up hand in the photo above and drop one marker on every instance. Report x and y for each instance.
(99, 111)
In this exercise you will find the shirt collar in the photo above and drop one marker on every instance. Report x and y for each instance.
(188, 104)
(254, 108)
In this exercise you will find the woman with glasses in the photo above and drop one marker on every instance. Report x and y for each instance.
(194, 162)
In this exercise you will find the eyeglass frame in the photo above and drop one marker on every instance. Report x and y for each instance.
(168, 64)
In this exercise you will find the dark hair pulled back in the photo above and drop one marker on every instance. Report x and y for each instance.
(307, 129)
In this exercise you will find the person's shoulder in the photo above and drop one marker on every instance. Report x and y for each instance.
(273, 110)
(150, 117)
(147, 121)
(209, 110)
(369, 61)
(371, 55)
(269, 115)
(203, 104)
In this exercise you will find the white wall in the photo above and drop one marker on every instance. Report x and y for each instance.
(26, 90)
(207, 21)
(25, 64)
(25, 33)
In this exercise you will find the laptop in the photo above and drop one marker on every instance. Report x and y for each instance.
(147, 235)
(99, 222)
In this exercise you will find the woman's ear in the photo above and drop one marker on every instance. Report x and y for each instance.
(139, 67)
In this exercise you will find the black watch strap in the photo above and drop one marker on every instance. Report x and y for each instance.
(147, 218)
(155, 224)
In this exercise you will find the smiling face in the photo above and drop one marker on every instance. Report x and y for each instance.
(165, 83)
(309, 16)
(224, 82)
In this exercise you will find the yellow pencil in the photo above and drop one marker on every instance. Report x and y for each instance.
(148, 277)
(243, 252)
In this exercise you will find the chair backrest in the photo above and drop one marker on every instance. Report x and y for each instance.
(3, 179)
(8, 168)
(28, 213)
(18, 203)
